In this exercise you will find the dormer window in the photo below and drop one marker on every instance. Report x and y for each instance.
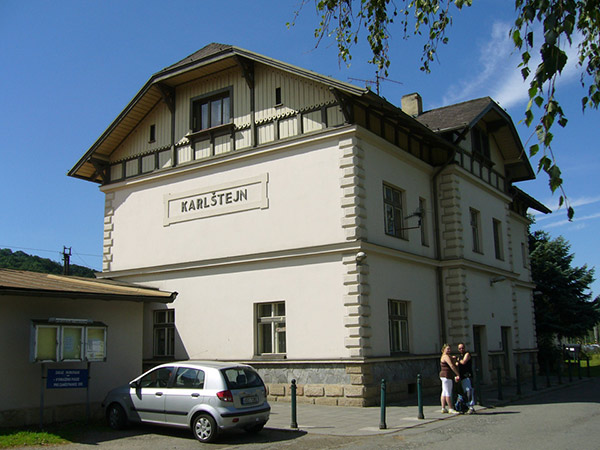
(211, 111)
(480, 142)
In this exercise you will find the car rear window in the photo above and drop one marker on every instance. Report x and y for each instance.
(241, 377)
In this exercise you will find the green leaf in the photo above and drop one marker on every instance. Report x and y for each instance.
(533, 150)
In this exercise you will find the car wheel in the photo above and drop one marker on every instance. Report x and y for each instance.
(117, 419)
(204, 428)
(255, 428)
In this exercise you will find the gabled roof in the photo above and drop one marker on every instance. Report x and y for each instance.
(212, 58)
(21, 282)
(499, 125)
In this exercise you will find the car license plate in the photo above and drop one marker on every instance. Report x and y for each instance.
(250, 400)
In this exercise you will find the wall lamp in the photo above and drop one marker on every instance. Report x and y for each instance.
(496, 280)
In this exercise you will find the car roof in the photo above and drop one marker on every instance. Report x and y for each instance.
(205, 364)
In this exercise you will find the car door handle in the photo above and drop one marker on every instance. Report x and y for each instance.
(195, 395)
(159, 394)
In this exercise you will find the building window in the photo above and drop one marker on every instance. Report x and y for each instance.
(278, 96)
(270, 328)
(211, 111)
(497, 226)
(393, 200)
(152, 137)
(423, 222)
(475, 230)
(480, 142)
(398, 317)
(524, 254)
(164, 333)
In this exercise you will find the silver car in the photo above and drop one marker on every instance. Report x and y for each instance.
(206, 396)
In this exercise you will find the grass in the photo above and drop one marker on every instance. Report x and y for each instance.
(53, 435)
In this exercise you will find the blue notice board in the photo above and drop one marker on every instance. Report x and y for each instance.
(66, 378)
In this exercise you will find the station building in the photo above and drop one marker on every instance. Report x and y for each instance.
(314, 229)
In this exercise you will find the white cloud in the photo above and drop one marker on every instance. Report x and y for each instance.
(498, 74)
(578, 222)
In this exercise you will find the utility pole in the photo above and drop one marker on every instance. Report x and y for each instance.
(66, 260)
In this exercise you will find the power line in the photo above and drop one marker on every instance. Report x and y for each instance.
(12, 247)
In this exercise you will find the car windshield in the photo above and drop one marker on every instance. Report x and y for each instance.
(241, 377)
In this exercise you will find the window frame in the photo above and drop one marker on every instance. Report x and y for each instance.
(196, 103)
(396, 208)
(400, 340)
(475, 223)
(273, 323)
(498, 241)
(423, 220)
(168, 327)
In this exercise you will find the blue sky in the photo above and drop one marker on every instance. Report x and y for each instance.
(70, 67)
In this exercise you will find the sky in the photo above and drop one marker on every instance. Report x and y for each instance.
(69, 67)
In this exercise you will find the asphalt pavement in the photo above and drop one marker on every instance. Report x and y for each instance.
(354, 421)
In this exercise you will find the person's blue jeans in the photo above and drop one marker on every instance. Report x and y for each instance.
(467, 388)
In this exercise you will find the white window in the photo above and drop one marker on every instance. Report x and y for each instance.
(423, 222)
(498, 244)
(393, 200)
(475, 230)
(164, 333)
(398, 322)
(270, 328)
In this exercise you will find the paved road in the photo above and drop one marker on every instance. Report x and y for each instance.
(568, 418)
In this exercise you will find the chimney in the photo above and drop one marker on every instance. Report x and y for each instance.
(412, 104)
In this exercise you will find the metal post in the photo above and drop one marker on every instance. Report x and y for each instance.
(42, 397)
(559, 370)
(588, 366)
(547, 370)
(533, 381)
(88, 414)
(294, 423)
(569, 368)
(499, 376)
(579, 368)
(518, 379)
(478, 387)
(420, 414)
(382, 424)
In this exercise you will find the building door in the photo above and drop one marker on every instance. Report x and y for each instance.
(480, 347)
(507, 351)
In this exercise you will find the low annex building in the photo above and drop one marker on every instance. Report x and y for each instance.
(314, 229)
(56, 324)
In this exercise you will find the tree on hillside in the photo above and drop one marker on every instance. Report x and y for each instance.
(563, 300)
(541, 26)
(22, 261)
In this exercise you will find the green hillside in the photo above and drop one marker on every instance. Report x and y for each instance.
(22, 261)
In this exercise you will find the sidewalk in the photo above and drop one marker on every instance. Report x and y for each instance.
(354, 421)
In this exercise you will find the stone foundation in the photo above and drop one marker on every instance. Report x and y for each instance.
(349, 383)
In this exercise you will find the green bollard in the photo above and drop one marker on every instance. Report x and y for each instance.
(294, 422)
(533, 381)
(588, 366)
(499, 377)
(382, 424)
(518, 379)
(419, 398)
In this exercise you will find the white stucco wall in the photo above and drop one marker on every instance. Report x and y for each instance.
(303, 193)
(391, 278)
(124, 349)
(215, 307)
